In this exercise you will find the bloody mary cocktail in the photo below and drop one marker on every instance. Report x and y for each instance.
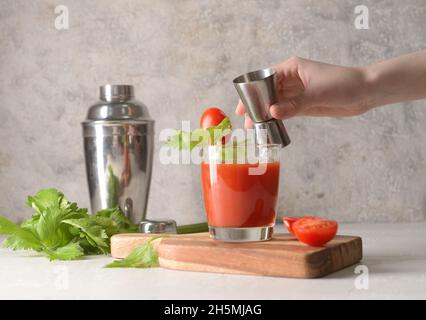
(240, 198)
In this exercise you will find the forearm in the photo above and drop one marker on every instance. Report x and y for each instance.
(396, 80)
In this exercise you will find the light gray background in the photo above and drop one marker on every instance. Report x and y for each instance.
(182, 56)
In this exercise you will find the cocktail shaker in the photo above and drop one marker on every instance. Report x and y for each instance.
(258, 92)
(118, 145)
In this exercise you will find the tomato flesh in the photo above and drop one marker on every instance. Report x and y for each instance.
(289, 221)
(314, 231)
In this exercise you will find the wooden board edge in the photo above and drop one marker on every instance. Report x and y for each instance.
(344, 251)
(356, 242)
(355, 246)
(194, 267)
(122, 244)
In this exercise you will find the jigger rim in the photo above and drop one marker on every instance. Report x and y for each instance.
(254, 76)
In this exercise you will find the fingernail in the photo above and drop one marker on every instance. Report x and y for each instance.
(272, 109)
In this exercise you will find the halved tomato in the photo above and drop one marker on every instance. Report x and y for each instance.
(314, 231)
(288, 222)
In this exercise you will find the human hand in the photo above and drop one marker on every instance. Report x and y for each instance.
(310, 88)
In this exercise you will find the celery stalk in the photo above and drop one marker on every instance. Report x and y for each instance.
(192, 228)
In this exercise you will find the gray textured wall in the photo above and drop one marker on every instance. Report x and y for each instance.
(182, 56)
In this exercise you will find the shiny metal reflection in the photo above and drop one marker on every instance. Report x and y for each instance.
(258, 92)
(118, 146)
(158, 226)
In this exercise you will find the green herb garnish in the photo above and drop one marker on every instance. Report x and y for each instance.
(60, 230)
(192, 228)
(200, 137)
(143, 256)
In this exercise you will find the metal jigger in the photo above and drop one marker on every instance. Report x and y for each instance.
(258, 92)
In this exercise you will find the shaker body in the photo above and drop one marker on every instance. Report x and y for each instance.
(119, 166)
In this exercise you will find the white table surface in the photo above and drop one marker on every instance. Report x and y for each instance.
(395, 255)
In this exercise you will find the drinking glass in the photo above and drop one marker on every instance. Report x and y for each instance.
(240, 189)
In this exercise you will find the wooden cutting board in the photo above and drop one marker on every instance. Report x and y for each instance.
(283, 256)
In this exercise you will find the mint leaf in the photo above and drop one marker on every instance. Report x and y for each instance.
(143, 256)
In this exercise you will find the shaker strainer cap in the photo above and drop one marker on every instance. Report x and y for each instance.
(110, 92)
(117, 103)
(258, 92)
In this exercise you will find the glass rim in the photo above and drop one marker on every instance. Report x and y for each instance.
(248, 154)
(250, 145)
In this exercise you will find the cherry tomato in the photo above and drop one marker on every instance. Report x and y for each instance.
(212, 117)
(314, 231)
(288, 222)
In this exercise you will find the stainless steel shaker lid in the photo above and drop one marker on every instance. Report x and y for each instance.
(117, 103)
(117, 113)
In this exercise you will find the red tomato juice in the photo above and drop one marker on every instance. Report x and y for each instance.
(233, 198)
